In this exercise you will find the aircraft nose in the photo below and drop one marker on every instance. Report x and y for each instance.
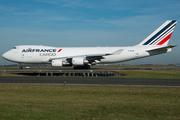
(6, 55)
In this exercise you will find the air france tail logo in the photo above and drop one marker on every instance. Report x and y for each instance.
(43, 52)
(162, 34)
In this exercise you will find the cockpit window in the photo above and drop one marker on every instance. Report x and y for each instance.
(14, 47)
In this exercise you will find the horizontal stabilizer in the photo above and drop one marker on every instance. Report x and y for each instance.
(161, 48)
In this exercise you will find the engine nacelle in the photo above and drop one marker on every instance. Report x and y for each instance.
(60, 63)
(57, 63)
(79, 61)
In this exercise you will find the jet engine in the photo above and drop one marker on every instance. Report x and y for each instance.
(56, 63)
(59, 63)
(79, 61)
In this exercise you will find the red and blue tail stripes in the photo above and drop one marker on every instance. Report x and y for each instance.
(161, 35)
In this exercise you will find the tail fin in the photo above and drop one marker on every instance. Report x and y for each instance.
(160, 36)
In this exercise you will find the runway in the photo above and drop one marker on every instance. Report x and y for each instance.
(92, 81)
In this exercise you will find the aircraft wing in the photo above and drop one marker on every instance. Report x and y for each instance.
(161, 48)
(100, 56)
(105, 54)
(90, 56)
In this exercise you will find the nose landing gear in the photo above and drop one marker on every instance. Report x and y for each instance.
(20, 66)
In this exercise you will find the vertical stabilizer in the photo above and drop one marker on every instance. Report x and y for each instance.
(162, 35)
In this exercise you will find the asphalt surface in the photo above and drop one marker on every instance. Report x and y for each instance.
(89, 80)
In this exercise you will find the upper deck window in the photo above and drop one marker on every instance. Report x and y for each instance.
(14, 48)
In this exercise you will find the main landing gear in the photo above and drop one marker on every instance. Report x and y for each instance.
(82, 67)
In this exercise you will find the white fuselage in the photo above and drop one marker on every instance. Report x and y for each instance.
(43, 54)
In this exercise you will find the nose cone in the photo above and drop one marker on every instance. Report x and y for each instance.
(7, 56)
(4, 55)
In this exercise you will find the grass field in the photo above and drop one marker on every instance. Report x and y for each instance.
(82, 102)
(168, 74)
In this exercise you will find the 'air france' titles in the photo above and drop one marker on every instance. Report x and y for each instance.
(43, 52)
(38, 50)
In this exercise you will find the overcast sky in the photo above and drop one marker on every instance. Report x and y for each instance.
(87, 23)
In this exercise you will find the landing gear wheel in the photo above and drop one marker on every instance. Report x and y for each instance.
(20, 67)
(82, 67)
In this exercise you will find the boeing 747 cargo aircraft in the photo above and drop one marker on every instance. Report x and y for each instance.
(84, 57)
